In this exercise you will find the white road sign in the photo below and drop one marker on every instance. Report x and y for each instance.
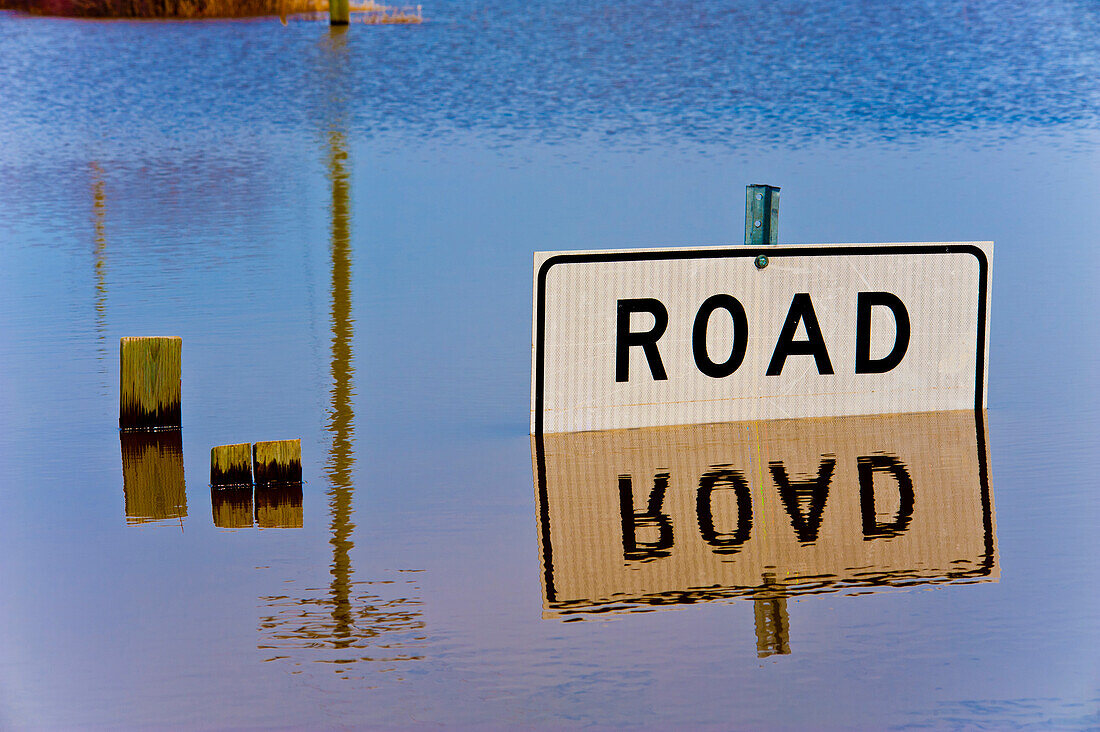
(648, 337)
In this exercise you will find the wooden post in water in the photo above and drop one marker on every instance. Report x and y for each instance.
(761, 214)
(338, 12)
(231, 465)
(149, 383)
(279, 461)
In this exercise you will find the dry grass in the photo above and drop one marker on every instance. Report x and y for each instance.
(371, 13)
(387, 15)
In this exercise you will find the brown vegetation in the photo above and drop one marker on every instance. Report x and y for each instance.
(370, 12)
(384, 14)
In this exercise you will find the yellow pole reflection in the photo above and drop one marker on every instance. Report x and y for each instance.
(341, 417)
(99, 210)
(350, 621)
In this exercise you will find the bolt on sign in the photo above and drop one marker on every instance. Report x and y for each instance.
(666, 516)
(650, 337)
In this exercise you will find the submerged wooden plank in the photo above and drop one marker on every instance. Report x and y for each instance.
(149, 382)
(231, 465)
(277, 461)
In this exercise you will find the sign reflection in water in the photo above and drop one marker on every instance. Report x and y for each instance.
(637, 519)
(351, 621)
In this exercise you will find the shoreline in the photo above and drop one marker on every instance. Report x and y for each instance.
(368, 13)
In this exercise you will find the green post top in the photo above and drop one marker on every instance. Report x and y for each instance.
(338, 12)
(761, 214)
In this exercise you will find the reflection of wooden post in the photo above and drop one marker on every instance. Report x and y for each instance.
(772, 625)
(279, 461)
(338, 12)
(99, 207)
(149, 382)
(341, 422)
(279, 507)
(232, 507)
(231, 465)
(152, 476)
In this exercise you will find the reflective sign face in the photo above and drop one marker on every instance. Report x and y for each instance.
(654, 337)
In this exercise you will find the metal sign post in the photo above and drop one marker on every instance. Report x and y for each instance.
(761, 214)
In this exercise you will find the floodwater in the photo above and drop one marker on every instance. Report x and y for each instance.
(340, 226)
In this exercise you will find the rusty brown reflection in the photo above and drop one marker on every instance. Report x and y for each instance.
(152, 476)
(379, 622)
(341, 421)
(767, 510)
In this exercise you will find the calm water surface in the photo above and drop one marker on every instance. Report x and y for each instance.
(340, 226)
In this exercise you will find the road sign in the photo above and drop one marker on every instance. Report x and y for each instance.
(648, 337)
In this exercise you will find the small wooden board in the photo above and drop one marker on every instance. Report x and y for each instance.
(231, 465)
(278, 461)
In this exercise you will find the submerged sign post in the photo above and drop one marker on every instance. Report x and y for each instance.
(651, 337)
